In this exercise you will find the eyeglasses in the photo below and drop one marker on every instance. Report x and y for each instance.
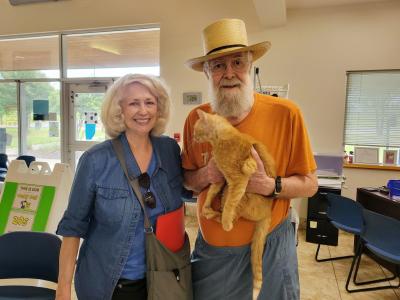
(218, 66)
(148, 197)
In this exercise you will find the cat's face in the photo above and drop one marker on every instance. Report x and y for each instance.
(208, 126)
(202, 132)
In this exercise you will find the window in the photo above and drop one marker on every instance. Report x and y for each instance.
(31, 57)
(8, 119)
(373, 110)
(33, 84)
(25, 59)
(113, 53)
(41, 138)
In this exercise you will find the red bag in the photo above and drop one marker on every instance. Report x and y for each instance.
(170, 229)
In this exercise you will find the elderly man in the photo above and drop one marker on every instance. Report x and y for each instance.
(221, 259)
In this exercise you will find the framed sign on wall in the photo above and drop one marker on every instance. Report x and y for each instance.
(366, 155)
(390, 157)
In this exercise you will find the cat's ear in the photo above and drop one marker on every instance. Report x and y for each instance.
(201, 114)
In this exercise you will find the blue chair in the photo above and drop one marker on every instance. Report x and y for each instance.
(381, 235)
(27, 158)
(28, 255)
(3, 166)
(345, 214)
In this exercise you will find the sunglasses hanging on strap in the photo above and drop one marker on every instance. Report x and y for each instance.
(160, 259)
(148, 197)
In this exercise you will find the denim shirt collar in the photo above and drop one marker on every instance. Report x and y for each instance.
(132, 165)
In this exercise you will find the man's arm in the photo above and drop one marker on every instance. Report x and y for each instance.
(198, 180)
(299, 186)
(292, 186)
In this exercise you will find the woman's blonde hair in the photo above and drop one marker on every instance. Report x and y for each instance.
(111, 112)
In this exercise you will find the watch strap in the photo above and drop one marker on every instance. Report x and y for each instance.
(278, 187)
(278, 184)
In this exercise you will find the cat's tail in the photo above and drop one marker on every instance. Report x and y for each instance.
(268, 161)
(257, 250)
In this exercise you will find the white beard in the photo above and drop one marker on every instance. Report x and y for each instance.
(231, 103)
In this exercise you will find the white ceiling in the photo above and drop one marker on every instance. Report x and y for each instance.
(290, 4)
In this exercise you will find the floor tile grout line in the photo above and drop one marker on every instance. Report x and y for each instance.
(334, 273)
(390, 281)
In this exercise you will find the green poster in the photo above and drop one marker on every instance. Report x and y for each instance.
(25, 207)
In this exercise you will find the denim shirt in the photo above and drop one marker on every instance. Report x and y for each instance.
(135, 267)
(104, 211)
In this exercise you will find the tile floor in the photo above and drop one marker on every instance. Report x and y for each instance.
(326, 280)
(319, 281)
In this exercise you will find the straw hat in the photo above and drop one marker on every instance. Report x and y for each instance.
(226, 36)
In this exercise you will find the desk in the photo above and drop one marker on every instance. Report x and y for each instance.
(381, 204)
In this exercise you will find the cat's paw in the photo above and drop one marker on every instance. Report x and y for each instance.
(211, 214)
(227, 226)
(218, 219)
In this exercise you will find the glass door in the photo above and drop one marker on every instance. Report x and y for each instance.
(85, 128)
(40, 121)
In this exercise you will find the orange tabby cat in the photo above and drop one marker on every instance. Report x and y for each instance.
(232, 154)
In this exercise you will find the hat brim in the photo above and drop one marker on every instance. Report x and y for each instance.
(257, 50)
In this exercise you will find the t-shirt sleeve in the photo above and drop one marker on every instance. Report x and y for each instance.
(188, 159)
(301, 161)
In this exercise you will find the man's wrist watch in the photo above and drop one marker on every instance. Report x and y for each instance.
(278, 187)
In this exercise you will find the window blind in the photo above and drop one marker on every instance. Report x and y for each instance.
(373, 109)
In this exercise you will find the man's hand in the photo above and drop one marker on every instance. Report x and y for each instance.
(292, 186)
(260, 182)
(214, 175)
(197, 180)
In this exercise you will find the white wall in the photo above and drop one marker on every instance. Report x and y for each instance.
(312, 52)
(317, 47)
(362, 178)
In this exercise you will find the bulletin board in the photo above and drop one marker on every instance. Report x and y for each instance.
(34, 198)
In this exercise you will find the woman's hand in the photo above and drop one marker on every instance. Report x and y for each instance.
(63, 293)
(69, 249)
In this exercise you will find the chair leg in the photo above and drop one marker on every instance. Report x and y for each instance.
(369, 281)
(356, 256)
(357, 259)
(331, 258)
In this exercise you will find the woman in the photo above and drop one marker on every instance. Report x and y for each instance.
(103, 209)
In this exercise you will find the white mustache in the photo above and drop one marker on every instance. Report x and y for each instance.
(229, 82)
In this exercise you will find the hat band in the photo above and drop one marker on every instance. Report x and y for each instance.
(225, 47)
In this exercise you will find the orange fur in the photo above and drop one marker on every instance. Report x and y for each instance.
(232, 154)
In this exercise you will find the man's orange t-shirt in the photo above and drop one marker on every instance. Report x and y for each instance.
(279, 125)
